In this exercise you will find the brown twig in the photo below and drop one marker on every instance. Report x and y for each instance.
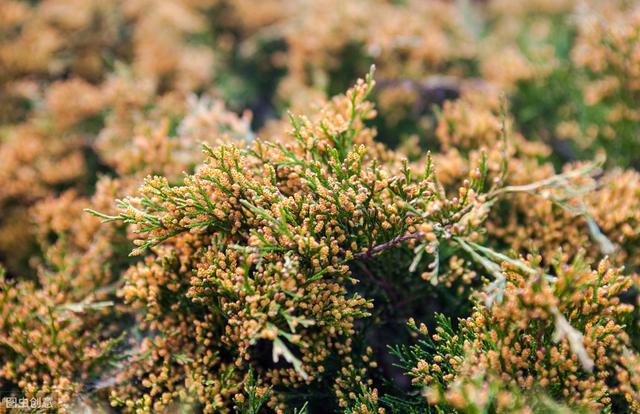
(370, 252)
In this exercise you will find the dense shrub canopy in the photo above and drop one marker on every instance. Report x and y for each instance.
(202, 209)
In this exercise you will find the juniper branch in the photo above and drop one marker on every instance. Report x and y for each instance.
(370, 252)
